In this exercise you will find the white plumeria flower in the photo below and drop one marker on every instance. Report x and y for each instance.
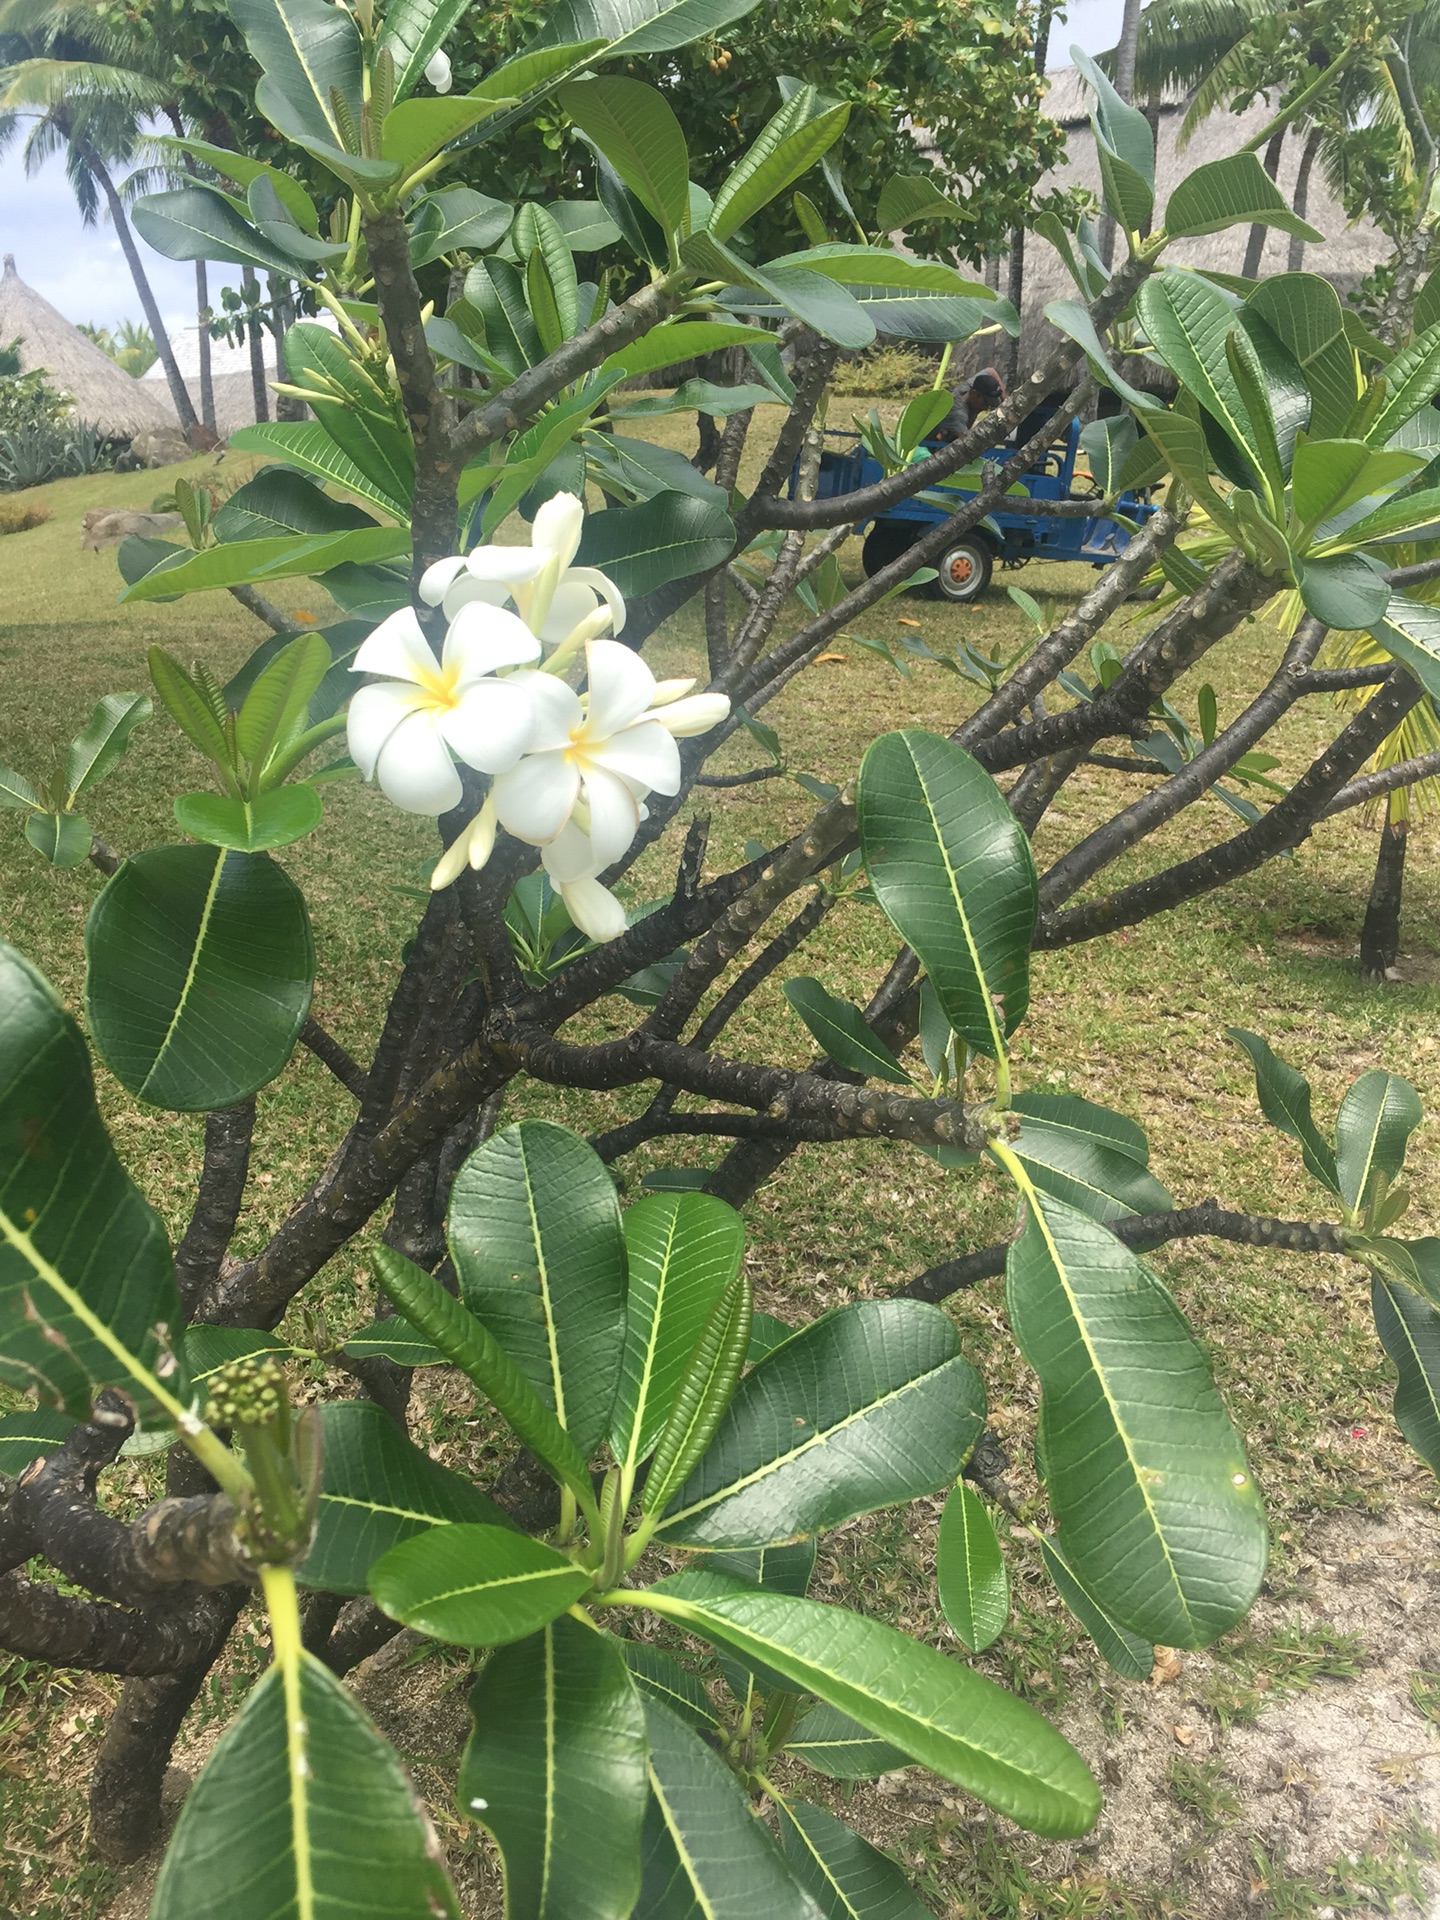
(551, 596)
(437, 71)
(404, 729)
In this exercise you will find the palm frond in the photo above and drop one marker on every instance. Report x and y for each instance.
(1225, 81)
(41, 84)
(1182, 40)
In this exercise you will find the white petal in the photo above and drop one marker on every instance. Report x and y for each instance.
(452, 863)
(397, 647)
(557, 709)
(558, 525)
(570, 856)
(603, 584)
(620, 688)
(437, 71)
(415, 770)
(472, 847)
(466, 588)
(481, 638)
(482, 835)
(614, 815)
(490, 726)
(508, 565)
(698, 714)
(668, 690)
(570, 606)
(534, 799)
(375, 713)
(594, 909)
(646, 753)
(437, 578)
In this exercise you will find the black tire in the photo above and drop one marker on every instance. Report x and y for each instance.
(962, 573)
(886, 541)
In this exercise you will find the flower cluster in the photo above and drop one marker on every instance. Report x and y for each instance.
(571, 771)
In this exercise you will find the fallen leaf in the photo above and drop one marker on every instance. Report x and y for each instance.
(830, 656)
(1185, 1735)
(1167, 1667)
(906, 622)
(304, 613)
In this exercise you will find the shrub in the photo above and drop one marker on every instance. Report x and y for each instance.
(31, 455)
(17, 519)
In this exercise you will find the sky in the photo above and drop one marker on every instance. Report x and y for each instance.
(82, 271)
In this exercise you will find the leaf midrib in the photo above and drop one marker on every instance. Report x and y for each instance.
(191, 972)
(996, 1034)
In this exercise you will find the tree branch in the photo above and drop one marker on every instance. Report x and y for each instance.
(219, 1196)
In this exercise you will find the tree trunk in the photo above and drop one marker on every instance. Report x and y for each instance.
(1301, 200)
(202, 316)
(1255, 245)
(282, 306)
(1009, 357)
(256, 334)
(1125, 52)
(179, 393)
(1380, 935)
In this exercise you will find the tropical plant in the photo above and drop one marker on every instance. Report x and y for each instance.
(132, 346)
(676, 1455)
(27, 399)
(32, 454)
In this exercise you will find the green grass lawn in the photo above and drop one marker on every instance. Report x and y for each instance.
(1135, 1022)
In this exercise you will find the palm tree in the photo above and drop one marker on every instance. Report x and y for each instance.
(92, 114)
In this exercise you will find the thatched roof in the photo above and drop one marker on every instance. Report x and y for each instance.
(229, 373)
(1347, 256)
(102, 392)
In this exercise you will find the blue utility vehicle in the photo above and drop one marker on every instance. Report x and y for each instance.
(963, 570)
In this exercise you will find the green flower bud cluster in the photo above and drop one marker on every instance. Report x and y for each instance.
(247, 1393)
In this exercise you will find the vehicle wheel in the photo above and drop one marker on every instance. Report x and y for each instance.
(886, 541)
(963, 571)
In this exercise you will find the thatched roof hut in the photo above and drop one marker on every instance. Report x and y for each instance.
(1349, 252)
(102, 392)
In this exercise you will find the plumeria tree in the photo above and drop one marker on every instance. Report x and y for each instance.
(636, 1579)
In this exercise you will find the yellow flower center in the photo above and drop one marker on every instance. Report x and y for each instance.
(441, 687)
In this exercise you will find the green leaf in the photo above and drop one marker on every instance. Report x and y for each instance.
(784, 1569)
(15, 790)
(308, 51)
(970, 1570)
(704, 1852)
(413, 31)
(416, 130)
(199, 971)
(1125, 148)
(1284, 1095)
(276, 704)
(1347, 591)
(668, 538)
(256, 1835)
(839, 1747)
(1303, 311)
(278, 227)
(872, 1405)
(940, 1712)
(556, 1770)
(63, 838)
(208, 1349)
(635, 128)
(282, 558)
(842, 1030)
(278, 502)
(97, 751)
(1413, 515)
(789, 144)
(636, 26)
(1072, 318)
(30, 1436)
(847, 1877)
(535, 1234)
(681, 340)
(307, 445)
(1155, 1504)
(394, 1339)
(1070, 1150)
(1330, 475)
(952, 869)
(469, 1345)
(705, 1391)
(458, 218)
(664, 1679)
(1232, 192)
(87, 1289)
(1409, 1329)
(190, 706)
(476, 1586)
(197, 223)
(1379, 1113)
(683, 1250)
(243, 172)
(378, 1490)
(637, 466)
(909, 197)
(1411, 379)
(819, 301)
(913, 299)
(362, 418)
(1410, 631)
(251, 826)
(1130, 1656)
(1188, 322)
